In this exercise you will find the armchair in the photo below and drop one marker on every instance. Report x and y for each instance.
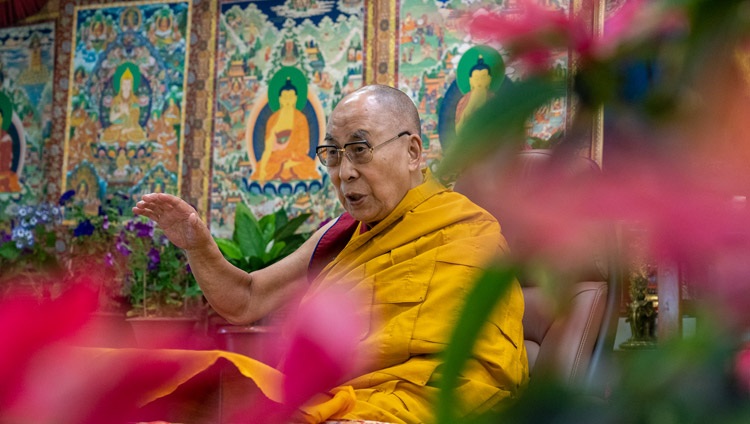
(571, 336)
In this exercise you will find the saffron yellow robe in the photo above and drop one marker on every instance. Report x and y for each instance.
(415, 268)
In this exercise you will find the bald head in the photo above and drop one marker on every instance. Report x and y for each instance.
(393, 104)
(387, 121)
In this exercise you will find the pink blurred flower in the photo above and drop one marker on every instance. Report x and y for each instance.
(687, 212)
(534, 34)
(47, 378)
(742, 368)
(28, 326)
(638, 21)
(319, 354)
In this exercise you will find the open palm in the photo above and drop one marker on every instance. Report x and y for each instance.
(176, 218)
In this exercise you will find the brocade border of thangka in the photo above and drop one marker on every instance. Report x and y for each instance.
(593, 12)
(382, 30)
(199, 92)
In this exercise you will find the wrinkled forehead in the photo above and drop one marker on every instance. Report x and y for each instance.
(360, 115)
(345, 136)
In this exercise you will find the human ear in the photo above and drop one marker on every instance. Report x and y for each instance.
(415, 152)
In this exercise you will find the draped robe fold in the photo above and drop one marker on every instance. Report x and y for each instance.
(411, 272)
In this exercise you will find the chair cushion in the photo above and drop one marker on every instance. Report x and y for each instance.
(560, 336)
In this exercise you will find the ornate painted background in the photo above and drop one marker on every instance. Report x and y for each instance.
(437, 57)
(26, 73)
(281, 67)
(199, 41)
(394, 50)
(126, 99)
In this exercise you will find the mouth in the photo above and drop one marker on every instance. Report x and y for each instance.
(354, 198)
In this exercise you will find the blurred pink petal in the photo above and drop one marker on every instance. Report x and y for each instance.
(638, 21)
(742, 368)
(532, 35)
(321, 353)
(688, 212)
(105, 388)
(28, 326)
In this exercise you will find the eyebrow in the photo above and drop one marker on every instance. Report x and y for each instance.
(359, 134)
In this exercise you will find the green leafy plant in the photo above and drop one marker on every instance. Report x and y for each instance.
(159, 280)
(256, 244)
(32, 249)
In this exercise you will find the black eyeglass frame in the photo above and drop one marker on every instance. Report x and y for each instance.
(322, 148)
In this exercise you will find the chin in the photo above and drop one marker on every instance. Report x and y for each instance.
(359, 216)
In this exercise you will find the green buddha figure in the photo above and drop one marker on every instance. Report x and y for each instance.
(479, 81)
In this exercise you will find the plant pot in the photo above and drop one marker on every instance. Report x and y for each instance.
(107, 329)
(164, 332)
(256, 341)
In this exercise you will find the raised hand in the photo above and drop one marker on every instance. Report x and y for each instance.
(176, 218)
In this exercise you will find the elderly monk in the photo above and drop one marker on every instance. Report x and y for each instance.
(411, 245)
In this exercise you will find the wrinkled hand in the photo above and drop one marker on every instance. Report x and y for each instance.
(176, 218)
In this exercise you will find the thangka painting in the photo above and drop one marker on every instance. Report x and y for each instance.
(281, 68)
(125, 123)
(26, 75)
(449, 74)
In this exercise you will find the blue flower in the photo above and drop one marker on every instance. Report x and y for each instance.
(23, 237)
(66, 196)
(84, 228)
(122, 247)
(144, 229)
(154, 259)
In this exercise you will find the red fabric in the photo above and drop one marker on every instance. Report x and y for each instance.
(12, 11)
(332, 242)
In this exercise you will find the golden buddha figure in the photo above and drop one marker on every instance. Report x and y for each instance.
(124, 114)
(287, 142)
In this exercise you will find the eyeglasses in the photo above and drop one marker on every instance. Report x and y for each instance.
(359, 152)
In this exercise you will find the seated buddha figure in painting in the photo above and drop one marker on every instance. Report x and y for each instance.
(124, 113)
(287, 142)
(479, 81)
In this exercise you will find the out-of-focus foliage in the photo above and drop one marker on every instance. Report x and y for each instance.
(676, 149)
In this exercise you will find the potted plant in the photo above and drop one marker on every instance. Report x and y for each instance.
(166, 301)
(91, 251)
(29, 253)
(91, 246)
(256, 244)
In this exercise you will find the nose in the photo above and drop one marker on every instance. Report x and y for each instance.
(347, 170)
